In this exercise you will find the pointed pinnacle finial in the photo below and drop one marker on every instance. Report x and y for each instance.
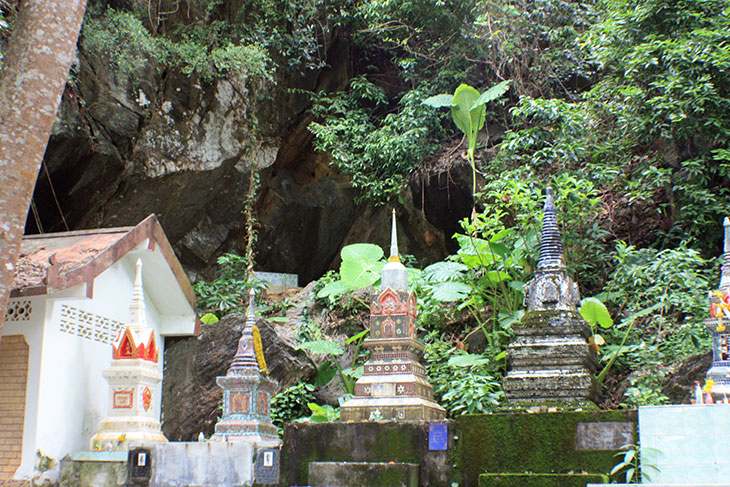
(394, 257)
(725, 269)
(251, 311)
(551, 248)
(136, 308)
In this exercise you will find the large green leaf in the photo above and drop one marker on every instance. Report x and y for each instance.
(438, 101)
(444, 271)
(359, 273)
(469, 120)
(450, 291)
(334, 288)
(594, 312)
(362, 252)
(496, 276)
(493, 93)
(325, 373)
(467, 360)
(321, 346)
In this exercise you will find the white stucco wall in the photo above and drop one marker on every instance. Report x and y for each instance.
(67, 396)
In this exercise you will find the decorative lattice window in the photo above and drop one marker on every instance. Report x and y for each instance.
(89, 325)
(18, 310)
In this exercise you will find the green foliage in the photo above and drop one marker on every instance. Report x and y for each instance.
(228, 292)
(207, 51)
(327, 370)
(468, 109)
(376, 149)
(675, 283)
(324, 413)
(291, 404)
(463, 383)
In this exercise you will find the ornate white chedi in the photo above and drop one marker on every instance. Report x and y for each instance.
(133, 378)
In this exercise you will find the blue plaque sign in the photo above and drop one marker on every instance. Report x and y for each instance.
(437, 436)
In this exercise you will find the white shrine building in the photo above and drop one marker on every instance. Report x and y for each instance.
(71, 296)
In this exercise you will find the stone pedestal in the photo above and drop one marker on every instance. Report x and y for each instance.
(246, 415)
(550, 359)
(394, 383)
(131, 383)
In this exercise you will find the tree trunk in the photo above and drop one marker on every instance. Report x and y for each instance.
(32, 79)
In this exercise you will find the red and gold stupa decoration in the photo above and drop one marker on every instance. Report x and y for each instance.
(133, 378)
(247, 391)
(394, 384)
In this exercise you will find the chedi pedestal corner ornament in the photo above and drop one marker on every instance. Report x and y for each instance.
(394, 384)
(247, 391)
(719, 324)
(133, 378)
(550, 359)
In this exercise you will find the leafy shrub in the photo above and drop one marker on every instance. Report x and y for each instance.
(677, 280)
(376, 151)
(228, 292)
(461, 389)
(291, 404)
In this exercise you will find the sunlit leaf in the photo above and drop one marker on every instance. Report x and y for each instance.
(467, 360)
(438, 101)
(334, 288)
(209, 319)
(450, 291)
(321, 346)
(595, 312)
(358, 336)
(362, 252)
(444, 271)
(493, 93)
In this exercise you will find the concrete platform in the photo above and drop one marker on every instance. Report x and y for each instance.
(363, 474)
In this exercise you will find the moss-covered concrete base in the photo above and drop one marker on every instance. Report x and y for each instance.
(540, 479)
(557, 442)
(363, 474)
(76, 473)
(370, 442)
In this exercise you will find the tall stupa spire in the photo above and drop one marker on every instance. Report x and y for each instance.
(551, 249)
(394, 257)
(136, 308)
(394, 274)
(725, 272)
(245, 357)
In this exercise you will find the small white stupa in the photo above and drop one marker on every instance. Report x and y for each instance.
(133, 378)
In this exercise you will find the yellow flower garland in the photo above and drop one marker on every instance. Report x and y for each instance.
(259, 350)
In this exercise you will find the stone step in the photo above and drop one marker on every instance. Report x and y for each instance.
(363, 474)
(540, 479)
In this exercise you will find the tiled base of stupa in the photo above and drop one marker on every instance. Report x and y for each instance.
(550, 359)
(393, 386)
(246, 415)
(719, 373)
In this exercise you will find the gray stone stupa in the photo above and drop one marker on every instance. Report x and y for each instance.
(550, 359)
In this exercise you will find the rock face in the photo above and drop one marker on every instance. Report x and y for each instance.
(183, 149)
(190, 395)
